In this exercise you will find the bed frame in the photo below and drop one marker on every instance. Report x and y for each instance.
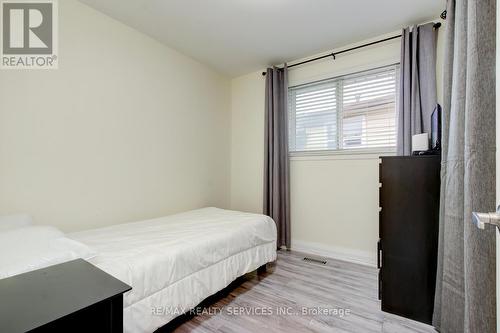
(178, 321)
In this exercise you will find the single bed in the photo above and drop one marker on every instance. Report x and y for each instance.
(175, 262)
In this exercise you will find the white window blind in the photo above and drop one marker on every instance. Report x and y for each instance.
(352, 112)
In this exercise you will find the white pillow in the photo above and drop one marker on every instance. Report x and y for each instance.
(9, 222)
(26, 249)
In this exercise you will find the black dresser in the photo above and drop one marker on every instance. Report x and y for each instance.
(408, 231)
(71, 297)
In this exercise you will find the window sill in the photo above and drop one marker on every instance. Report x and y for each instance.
(341, 155)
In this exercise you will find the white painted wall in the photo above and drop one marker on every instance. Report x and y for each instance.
(247, 142)
(334, 199)
(125, 129)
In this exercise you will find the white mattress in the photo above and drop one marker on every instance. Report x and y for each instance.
(174, 262)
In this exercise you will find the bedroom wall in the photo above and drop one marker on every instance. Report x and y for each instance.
(334, 199)
(125, 129)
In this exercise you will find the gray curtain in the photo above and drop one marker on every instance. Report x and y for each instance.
(276, 161)
(417, 85)
(465, 289)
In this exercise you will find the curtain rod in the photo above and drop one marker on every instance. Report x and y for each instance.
(334, 54)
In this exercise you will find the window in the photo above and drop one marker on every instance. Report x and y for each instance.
(352, 112)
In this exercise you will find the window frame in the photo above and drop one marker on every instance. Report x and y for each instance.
(381, 151)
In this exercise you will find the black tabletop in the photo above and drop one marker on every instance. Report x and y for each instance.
(32, 299)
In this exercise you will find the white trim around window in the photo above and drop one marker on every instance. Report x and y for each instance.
(352, 114)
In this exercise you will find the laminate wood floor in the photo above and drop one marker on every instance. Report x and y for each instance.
(291, 295)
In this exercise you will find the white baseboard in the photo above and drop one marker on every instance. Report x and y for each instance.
(350, 255)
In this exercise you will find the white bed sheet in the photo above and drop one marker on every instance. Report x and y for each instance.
(174, 262)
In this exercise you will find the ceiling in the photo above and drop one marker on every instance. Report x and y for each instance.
(236, 37)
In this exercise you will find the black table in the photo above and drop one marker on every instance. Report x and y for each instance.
(71, 297)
